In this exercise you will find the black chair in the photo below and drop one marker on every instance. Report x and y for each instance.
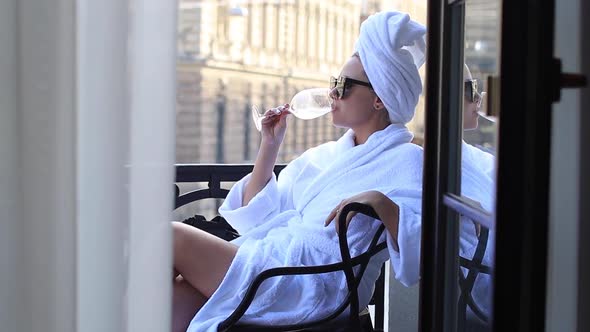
(215, 175)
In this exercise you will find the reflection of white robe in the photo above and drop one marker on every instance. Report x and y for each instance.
(283, 225)
(477, 183)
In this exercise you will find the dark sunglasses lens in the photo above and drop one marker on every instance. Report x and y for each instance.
(470, 91)
(336, 87)
(342, 85)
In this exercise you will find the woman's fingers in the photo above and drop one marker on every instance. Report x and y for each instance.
(283, 118)
(271, 116)
(371, 198)
(274, 112)
(330, 218)
(335, 214)
(276, 117)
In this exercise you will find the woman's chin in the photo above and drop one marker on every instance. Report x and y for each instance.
(335, 121)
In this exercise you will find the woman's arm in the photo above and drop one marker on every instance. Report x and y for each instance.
(274, 127)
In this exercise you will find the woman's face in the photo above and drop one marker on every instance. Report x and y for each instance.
(470, 116)
(470, 103)
(355, 107)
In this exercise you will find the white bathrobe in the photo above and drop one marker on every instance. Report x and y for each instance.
(283, 225)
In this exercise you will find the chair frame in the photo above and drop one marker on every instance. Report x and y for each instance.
(214, 175)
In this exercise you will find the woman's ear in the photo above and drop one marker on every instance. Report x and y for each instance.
(378, 104)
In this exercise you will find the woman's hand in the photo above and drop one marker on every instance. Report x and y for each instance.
(274, 125)
(385, 208)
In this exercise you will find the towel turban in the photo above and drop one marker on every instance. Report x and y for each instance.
(392, 49)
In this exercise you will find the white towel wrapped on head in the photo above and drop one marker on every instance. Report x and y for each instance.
(392, 48)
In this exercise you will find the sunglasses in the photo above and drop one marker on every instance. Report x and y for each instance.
(471, 92)
(342, 83)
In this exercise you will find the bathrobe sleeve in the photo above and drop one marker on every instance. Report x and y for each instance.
(261, 207)
(405, 252)
(274, 198)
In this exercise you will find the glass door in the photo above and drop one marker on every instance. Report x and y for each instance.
(458, 240)
(481, 188)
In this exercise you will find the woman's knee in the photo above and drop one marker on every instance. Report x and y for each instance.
(180, 237)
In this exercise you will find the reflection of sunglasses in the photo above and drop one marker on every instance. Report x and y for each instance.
(342, 83)
(471, 93)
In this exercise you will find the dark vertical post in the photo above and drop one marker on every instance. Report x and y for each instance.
(305, 136)
(221, 104)
(450, 163)
(440, 225)
(293, 131)
(523, 165)
(584, 217)
(428, 316)
(247, 126)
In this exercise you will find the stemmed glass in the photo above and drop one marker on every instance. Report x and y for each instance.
(481, 113)
(306, 104)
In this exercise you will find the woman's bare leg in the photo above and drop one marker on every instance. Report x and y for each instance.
(201, 258)
(186, 301)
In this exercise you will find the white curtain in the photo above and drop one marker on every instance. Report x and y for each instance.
(86, 164)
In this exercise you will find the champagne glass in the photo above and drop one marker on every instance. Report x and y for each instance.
(306, 104)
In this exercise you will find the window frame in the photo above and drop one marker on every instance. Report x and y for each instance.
(442, 166)
(528, 88)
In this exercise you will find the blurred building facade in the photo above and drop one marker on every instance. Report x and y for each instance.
(260, 52)
(482, 54)
(232, 55)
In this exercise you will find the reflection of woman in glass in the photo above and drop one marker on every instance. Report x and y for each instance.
(472, 101)
(477, 173)
(477, 183)
(282, 220)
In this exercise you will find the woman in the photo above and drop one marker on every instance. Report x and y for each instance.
(282, 221)
(477, 183)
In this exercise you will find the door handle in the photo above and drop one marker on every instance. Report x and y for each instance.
(569, 80)
(565, 80)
